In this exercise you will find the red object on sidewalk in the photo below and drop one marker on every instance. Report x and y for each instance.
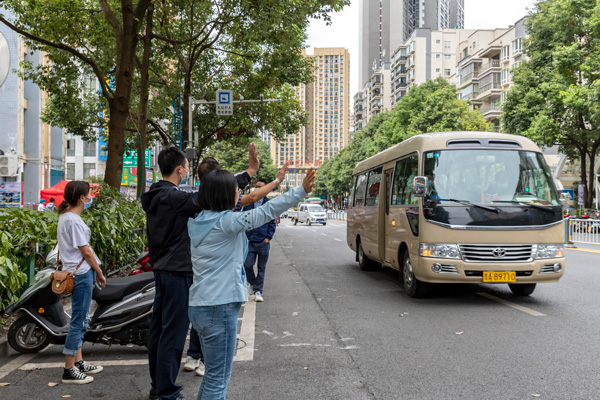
(57, 192)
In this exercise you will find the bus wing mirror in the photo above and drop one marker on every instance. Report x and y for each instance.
(420, 186)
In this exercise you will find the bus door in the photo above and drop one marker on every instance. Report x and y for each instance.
(384, 219)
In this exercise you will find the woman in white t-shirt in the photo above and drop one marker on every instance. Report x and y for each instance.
(77, 256)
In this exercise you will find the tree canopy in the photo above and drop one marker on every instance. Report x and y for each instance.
(556, 94)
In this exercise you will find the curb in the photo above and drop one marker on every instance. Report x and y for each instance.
(3, 348)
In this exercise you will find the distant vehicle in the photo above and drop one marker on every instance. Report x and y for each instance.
(310, 214)
(458, 207)
(284, 214)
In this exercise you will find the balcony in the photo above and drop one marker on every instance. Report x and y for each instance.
(489, 65)
(491, 109)
(470, 96)
(488, 89)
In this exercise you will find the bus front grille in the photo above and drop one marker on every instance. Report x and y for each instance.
(505, 253)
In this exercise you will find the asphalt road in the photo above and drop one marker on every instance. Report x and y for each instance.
(330, 331)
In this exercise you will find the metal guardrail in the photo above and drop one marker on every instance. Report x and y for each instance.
(582, 231)
(339, 215)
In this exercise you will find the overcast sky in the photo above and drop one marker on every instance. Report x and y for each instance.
(344, 30)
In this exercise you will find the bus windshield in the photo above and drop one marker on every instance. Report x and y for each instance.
(497, 177)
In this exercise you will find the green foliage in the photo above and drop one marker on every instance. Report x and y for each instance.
(114, 222)
(233, 156)
(430, 107)
(556, 94)
(11, 277)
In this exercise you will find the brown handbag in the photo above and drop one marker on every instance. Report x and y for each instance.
(62, 281)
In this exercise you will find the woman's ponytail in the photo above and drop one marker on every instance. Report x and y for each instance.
(63, 206)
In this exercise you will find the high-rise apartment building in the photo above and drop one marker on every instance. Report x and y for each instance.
(386, 24)
(327, 100)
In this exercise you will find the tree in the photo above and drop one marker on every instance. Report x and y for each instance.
(556, 94)
(430, 107)
(99, 37)
(233, 156)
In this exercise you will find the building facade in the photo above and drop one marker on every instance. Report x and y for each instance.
(36, 147)
(327, 101)
(386, 24)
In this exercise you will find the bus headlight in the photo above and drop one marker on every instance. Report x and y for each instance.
(439, 250)
(549, 251)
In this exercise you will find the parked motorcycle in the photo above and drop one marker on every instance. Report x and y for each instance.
(122, 317)
(143, 263)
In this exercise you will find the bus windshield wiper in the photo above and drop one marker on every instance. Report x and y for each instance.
(467, 202)
(538, 206)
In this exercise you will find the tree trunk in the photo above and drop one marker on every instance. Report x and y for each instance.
(583, 156)
(589, 194)
(119, 106)
(185, 111)
(143, 111)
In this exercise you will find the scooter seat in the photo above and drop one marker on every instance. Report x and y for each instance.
(117, 288)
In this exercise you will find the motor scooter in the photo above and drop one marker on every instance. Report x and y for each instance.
(122, 316)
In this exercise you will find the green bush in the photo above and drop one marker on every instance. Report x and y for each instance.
(116, 223)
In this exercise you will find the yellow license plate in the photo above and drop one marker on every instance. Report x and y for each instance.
(499, 276)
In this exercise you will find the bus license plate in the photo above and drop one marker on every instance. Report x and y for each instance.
(499, 276)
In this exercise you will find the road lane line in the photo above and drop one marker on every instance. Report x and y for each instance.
(588, 250)
(323, 234)
(246, 334)
(339, 240)
(16, 364)
(110, 363)
(513, 305)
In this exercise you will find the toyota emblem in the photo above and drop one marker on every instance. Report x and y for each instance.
(499, 252)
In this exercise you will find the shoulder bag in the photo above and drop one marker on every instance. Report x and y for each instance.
(62, 281)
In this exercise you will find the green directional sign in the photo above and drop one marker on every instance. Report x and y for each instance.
(130, 158)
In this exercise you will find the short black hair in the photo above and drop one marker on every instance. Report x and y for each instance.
(169, 159)
(207, 165)
(217, 192)
(262, 180)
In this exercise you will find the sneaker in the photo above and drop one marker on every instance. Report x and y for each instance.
(88, 368)
(258, 297)
(153, 394)
(200, 369)
(74, 375)
(191, 364)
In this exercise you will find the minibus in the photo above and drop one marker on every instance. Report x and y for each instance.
(458, 207)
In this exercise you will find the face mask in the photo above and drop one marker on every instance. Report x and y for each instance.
(184, 180)
(88, 205)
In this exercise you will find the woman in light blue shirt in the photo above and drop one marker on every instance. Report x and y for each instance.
(219, 246)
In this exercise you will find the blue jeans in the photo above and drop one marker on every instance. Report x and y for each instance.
(195, 349)
(81, 299)
(168, 329)
(217, 328)
(256, 250)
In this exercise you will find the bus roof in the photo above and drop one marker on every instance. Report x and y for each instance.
(445, 140)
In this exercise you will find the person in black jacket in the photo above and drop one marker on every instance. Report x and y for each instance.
(167, 211)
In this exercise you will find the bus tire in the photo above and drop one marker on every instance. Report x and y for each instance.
(522, 289)
(412, 286)
(364, 262)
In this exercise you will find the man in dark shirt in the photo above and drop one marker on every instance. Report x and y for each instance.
(259, 245)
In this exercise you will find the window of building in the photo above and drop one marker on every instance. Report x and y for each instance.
(89, 169)
(505, 52)
(70, 171)
(447, 72)
(437, 56)
(517, 46)
(447, 57)
(447, 44)
(71, 147)
(89, 149)
(438, 41)
(437, 70)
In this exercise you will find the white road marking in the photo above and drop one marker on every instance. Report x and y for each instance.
(513, 305)
(16, 364)
(323, 234)
(34, 366)
(339, 240)
(246, 333)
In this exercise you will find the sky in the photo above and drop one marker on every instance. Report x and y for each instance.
(344, 30)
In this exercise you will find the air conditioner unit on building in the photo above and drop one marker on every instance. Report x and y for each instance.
(9, 165)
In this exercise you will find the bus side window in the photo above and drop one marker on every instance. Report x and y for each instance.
(406, 170)
(372, 198)
(361, 186)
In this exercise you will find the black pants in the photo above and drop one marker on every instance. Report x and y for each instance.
(168, 330)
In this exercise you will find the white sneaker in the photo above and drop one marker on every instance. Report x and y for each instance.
(191, 364)
(200, 369)
(258, 297)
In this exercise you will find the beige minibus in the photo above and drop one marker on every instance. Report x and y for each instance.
(458, 207)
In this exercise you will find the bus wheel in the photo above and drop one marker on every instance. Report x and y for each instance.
(523, 289)
(364, 262)
(412, 286)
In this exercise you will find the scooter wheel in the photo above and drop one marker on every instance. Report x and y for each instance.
(26, 336)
